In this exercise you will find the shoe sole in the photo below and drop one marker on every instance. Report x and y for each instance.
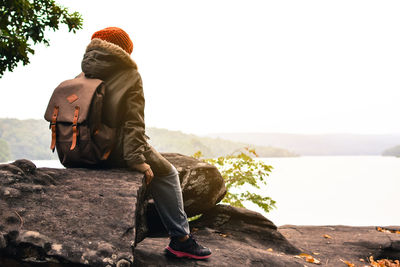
(180, 254)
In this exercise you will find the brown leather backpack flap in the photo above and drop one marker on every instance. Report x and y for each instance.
(71, 94)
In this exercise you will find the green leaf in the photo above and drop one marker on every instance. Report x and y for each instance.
(239, 169)
(23, 22)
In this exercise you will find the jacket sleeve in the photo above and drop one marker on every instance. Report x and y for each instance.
(134, 141)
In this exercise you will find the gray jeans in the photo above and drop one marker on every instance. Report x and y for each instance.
(167, 195)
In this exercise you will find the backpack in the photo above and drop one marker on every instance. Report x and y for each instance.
(75, 115)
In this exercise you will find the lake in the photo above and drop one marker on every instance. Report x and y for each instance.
(330, 190)
(323, 190)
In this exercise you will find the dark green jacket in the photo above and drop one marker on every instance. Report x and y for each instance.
(123, 105)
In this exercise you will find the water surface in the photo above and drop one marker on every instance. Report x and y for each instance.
(322, 190)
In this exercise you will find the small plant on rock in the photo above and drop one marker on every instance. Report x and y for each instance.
(242, 169)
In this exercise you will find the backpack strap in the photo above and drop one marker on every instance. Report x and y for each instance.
(53, 128)
(106, 155)
(75, 128)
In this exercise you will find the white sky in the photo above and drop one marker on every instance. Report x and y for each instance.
(238, 66)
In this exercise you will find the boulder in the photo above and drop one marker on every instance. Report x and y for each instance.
(237, 223)
(226, 252)
(69, 217)
(236, 236)
(87, 216)
(202, 184)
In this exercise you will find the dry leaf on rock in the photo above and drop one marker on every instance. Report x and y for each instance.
(303, 255)
(312, 260)
(309, 258)
(384, 262)
(384, 230)
(221, 234)
(348, 263)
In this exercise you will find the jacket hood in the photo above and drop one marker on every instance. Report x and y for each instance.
(102, 58)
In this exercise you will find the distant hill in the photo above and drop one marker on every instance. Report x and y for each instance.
(167, 141)
(4, 151)
(318, 144)
(394, 151)
(31, 139)
(26, 139)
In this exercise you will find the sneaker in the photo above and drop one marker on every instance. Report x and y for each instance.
(187, 249)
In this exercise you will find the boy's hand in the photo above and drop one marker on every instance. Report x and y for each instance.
(146, 169)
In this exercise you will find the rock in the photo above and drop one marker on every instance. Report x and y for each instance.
(9, 192)
(202, 184)
(11, 168)
(225, 252)
(26, 165)
(35, 238)
(69, 216)
(350, 243)
(23, 171)
(237, 237)
(124, 263)
(105, 249)
(3, 242)
(239, 222)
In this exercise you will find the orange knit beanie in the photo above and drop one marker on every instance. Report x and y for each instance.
(116, 36)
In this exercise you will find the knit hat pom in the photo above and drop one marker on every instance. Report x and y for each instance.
(116, 36)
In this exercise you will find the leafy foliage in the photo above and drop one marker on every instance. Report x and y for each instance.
(239, 169)
(4, 151)
(23, 22)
